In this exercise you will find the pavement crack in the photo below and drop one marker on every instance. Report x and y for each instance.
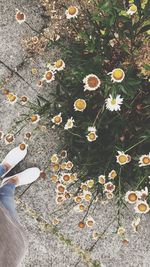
(13, 71)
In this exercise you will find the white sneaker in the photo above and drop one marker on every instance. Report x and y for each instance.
(26, 177)
(16, 155)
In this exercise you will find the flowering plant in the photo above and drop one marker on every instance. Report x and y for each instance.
(101, 104)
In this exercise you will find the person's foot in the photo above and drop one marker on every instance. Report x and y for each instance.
(13, 180)
(14, 156)
(6, 166)
(26, 177)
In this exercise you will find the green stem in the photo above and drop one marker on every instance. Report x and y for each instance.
(135, 145)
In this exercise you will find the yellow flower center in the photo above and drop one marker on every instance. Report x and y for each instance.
(28, 135)
(59, 63)
(91, 136)
(61, 189)
(67, 195)
(80, 104)
(22, 146)
(122, 158)
(59, 199)
(49, 75)
(113, 101)
(34, 118)
(11, 97)
(146, 160)
(54, 159)
(113, 174)
(90, 184)
(110, 186)
(84, 187)
(92, 81)
(63, 166)
(82, 207)
(132, 197)
(54, 178)
(78, 199)
(20, 16)
(69, 165)
(81, 225)
(72, 10)
(133, 8)
(142, 207)
(117, 74)
(90, 223)
(88, 197)
(56, 167)
(9, 138)
(24, 99)
(5, 92)
(101, 180)
(66, 177)
(57, 119)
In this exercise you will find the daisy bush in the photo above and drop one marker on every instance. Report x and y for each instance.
(100, 107)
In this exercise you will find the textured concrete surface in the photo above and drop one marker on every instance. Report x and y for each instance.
(47, 247)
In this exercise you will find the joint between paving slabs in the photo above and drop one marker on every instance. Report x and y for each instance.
(13, 71)
(47, 227)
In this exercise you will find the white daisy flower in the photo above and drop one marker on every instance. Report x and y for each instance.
(90, 222)
(131, 197)
(87, 195)
(11, 98)
(143, 194)
(57, 119)
(80, 105)
(20, 16)
(121, 231)
(54, 158)
(91, 136)
(78, 199)
(109, 195)
(69, 165)
(135, 223)
(92, 82)
(101, 179)
(112, 175)
(132, 10)
(141, 207)
(49, 76)
(144, 160)
(109, 187)
(59, 65)
(35, 118)
(79, 208)
(27, 135)
(9, 139)
(117, 75)
(71, 12)
(69, 124)
(24, 99)
(92, 129)
(95, 235)
(90, 183)
(113, 104)
(23, 146)
(59, 199)
(123, 158)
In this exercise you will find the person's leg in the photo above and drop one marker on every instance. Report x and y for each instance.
(2, 169)
(7, 197)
